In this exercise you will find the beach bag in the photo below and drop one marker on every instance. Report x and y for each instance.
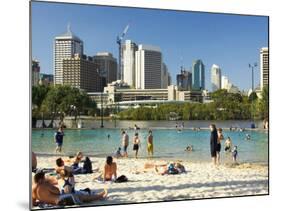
(122, 178)
(87, 166)
(172, 169)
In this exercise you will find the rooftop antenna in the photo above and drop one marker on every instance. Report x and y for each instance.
(68, 27)
(181, 61)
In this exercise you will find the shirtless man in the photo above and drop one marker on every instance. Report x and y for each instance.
(43, 191)
(125, 142)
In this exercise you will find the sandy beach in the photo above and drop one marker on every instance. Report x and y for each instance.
(202, 180)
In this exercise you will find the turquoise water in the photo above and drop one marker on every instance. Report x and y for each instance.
(168, 143)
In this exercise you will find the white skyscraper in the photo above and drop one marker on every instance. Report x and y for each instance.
(264, 67)
(65, 46)
(148, 67)
(224, 82)
(216, 77)
(128, 62)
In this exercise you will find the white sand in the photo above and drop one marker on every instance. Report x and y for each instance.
(202, 180)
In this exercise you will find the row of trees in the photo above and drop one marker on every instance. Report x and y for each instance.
(225, 106)
(52, 102)
(58, 101)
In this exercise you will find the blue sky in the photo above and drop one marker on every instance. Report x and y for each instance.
(231, 41)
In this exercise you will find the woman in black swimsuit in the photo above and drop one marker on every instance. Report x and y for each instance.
(213, 142)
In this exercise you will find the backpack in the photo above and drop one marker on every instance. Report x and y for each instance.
(122, 178)
(87, 166)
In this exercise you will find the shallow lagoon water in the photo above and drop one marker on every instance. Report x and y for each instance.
(168, 143)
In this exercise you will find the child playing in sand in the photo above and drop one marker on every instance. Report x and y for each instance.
(234, 154)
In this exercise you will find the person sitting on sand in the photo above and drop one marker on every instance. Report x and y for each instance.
(45, 192)
(60, 166)
(75, 163)
(109, 171)
(66, 184)
(118, 154)
(189, 148)
(227, 145)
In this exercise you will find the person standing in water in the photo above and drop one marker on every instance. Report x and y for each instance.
(213, 143)
(125, 143)
(136, 142)
(59, 139)
(227, 145)
(220, 138)
(150, 144)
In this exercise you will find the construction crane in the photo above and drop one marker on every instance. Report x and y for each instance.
(119, 42)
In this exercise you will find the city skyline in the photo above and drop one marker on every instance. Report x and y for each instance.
(190, 36)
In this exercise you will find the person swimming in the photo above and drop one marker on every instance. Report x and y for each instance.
(248, 137)
(189, 148)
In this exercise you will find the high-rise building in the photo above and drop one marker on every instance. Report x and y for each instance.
(65, 46)
(128, 62)
(169, 79)
(46, 79)
(148, 67)
(164, 76)
(198, 75)
(82, 73)
(264, 67)
(107, 66)
(224, 82)
(35, 72)
(216, 77)
(184, 80)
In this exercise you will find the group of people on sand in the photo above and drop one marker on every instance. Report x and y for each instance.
(136, 144)
(215, 145)
(58, 188)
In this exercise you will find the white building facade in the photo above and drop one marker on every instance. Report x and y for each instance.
(128, 62)
(264, 67)
(216, 77)
(148, 66)
(65, 46)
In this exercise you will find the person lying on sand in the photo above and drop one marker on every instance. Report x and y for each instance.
(109, 171)
(164, 168)
(171, 168)
(44, 192)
